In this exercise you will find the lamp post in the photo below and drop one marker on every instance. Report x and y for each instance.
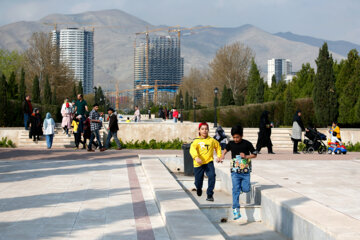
(181, 107)
(195, 100)
(216, 90)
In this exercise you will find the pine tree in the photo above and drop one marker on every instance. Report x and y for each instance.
(324, 95)
(12, 86)
(224, 96)
(177, 101)
(53, 99)
(74, 94)
(3, 101)
(255, 91)
(22, 88)
(231, 97)
(47, 91)
(273, 81)
(36, 90)
(181, 100)
(289, 107)
(80, 89)
(187, 101)
(191, 105)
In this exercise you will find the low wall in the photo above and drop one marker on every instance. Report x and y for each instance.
(11, 134)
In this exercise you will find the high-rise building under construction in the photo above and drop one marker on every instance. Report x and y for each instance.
(158, 67)
(77, 51)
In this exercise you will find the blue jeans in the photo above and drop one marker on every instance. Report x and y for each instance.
(94, 134)
(49, 140)
(175, 120)
(241, 183)
(210, 173)
(81, 124)
(114, 135)
(26, 119)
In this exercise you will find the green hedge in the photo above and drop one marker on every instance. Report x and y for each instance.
(15, 115)
(249, 115)
(152, 144)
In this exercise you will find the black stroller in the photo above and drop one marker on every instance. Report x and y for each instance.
(314, 142)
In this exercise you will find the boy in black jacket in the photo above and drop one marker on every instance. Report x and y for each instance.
(113, 129)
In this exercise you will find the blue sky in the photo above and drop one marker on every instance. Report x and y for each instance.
(328, 19)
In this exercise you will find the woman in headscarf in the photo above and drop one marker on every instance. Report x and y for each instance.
(66, 112)
(297, 128)
(36, 124)
(264, 139)
(49, 128)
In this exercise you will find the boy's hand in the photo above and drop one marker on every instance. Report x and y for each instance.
(242, 155)
(198, 160)
(220, 159)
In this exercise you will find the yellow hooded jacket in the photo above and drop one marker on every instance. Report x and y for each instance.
(203, 148)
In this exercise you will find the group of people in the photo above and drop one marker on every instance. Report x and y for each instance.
(165, 114)
(85, 126)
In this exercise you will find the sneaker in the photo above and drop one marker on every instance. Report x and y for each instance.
(90, 150)
(210, 199)
(199, 192)
(102, 149)
(296, 153)
(236, 212)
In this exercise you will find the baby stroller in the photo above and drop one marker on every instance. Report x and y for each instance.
(313, 141)
(221, 137)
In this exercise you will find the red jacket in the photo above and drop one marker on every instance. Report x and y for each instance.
(175, 114)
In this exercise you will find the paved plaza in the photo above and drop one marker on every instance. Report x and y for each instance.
(68, 194)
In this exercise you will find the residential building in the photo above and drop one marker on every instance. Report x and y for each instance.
(280, 68)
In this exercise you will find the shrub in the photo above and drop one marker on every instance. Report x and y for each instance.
(152, 144)
(353, 147)
(6, 143)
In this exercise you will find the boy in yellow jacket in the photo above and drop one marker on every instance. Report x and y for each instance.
(202, 151)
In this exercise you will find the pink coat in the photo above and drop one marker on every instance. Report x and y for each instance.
(67, 117)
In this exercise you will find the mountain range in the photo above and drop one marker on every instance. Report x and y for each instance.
(114, 37)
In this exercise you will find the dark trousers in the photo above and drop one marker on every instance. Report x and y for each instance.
(77, 138)
(93, 135)
(26, 119)
(210, 173)
(268, 145)
(296, 141)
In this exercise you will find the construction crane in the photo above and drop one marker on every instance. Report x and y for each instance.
(180, 29)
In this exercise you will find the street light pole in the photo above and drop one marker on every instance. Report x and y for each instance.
(195, 100)
(216, 90)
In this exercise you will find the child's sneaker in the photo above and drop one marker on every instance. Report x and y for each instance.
(199, 192)
(236, 212)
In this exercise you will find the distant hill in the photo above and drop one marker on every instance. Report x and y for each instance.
(340, 47)
(114, 43)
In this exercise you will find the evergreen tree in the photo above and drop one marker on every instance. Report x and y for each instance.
(289, 107)
(349, 84)
(224, 100)
(187, 101)
(47, 91)
(80, 89)
(231, 97)
(255, 91)
(191, 105)
(181, 100)
(53, 99)
(324, 95)
(177, 101)
(279, 90)
(273, 81)
(22, 88)
(12, 86)
(302, 84)
(36, 90)
(74, 93)
(3, 101)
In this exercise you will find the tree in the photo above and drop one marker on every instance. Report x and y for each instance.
(224, 100)
(36, 90)
(10, 62)
(54, 98)
(302, 84)
(289, 107)
(3, 101)
(230, 66)
(22, 88)
(80, 89)
(12, 87)
(181, 100)
(255, 89)
(187, 101)
(74, 93)
(349, 84)
(47, 98)
(177, 101)
(324, 95)
(191, 106)
(273, 81)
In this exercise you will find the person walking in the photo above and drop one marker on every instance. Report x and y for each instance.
(27, 109)
(95, 128)
(113, 128)
(297, 128)
(175, 115)
(80, 108)
(66, 112)
(36, 125)
(137, 115)
(49, 129)
(264, 139)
